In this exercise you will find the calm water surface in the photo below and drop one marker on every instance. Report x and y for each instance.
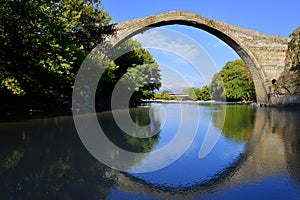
(257, 156)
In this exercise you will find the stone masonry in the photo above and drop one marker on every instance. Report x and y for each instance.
(263, 54)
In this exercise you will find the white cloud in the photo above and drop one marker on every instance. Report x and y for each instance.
(168, 41)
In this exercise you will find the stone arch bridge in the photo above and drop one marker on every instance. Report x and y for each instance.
(263, 54)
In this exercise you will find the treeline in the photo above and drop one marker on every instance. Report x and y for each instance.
(43, 44)
(232, 83)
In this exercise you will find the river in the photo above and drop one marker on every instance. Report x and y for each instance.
(256, 155)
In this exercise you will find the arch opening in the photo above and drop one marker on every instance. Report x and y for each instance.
(210, 27)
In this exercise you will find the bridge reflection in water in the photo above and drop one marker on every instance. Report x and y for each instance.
(45, 157)
(273, 150)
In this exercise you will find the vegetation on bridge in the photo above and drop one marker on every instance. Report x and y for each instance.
(288, 83)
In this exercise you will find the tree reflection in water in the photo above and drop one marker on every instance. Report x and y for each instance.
(44, 158)
(238, 124)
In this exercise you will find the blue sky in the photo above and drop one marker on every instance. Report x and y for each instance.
(276, 17)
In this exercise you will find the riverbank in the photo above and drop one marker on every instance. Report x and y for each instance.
(195, 102)
(14, 109)
(18, 111)
(252, 104)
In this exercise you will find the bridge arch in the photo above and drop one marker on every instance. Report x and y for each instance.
(263, 54)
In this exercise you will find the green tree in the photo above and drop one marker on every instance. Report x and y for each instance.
(193, 93)
(234, 83)
(217, 87)
(164, 95)
(137, 71)
(202, 94)
(43, 44)
(140, 69)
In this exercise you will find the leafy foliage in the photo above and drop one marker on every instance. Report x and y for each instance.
(217, 87)
(164, 95)
(137, 71)
(289, 82)
(43, 44)
(199, 94)
(233, 82)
